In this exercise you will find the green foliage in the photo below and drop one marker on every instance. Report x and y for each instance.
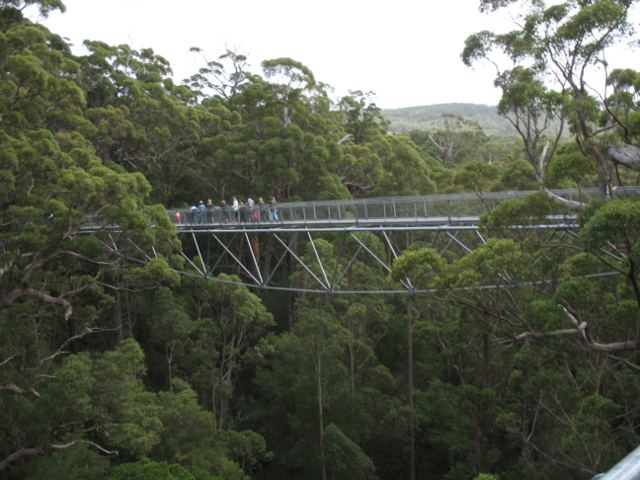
(434, 118)
(522, 356)
(44, 6)
(128, 413)
(79, 463)
(517, 175)
(618, 222)
(476, 176)
(149, 469)
(424, 266)
(564, 42)
(570, 169)
(532, 209)
(344, 458)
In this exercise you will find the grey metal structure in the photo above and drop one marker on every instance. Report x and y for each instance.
(374, 231)
(626, 469)
(426, 211)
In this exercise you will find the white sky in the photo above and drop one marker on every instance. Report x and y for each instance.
(405, 51)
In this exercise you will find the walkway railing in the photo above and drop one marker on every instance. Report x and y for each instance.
(426, 209)
(626, 469)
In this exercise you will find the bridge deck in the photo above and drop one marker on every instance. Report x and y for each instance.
(443, 211)
(216, 242)
(369, 224)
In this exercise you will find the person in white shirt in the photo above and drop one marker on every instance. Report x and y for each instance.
(235, 206)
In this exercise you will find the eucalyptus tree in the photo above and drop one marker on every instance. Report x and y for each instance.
(146, 123)
(228, 322)
(292, 80)
(457, 140)
(622, 107)
(59, 287)
(549, 328)
(225, 76)
(279, 144)
(45, 7)
(556, 53)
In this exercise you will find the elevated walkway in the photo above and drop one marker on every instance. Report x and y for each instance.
(437, 212)
(323, 240)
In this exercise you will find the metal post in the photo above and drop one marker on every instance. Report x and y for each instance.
(315, 251)
(204, 267)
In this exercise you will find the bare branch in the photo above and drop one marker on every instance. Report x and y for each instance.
(13, 388)
(539, 335)
(4, 362)
(628, 155)
(46, 449)
(84, 333)
(19, 292)
(346, 138)
(571, 204)
(583, 327)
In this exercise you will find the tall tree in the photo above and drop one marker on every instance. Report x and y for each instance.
(561, 46)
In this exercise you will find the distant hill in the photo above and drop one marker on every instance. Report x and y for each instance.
(430, 116)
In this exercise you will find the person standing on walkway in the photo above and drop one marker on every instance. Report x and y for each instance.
(236, 209)
(273, 210)
(250, 204)
(262, 207)
(203, 209)
(225, 211)
(193, 212)
(243, 212)
(209, 210)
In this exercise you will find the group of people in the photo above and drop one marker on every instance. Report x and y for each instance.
(239, 211)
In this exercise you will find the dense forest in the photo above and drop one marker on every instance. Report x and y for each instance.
(434, 117)
(115, 366)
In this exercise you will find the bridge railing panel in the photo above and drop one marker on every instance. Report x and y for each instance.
(439, 208)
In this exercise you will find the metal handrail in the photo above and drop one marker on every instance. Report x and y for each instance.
(626, 469)
(435, 208)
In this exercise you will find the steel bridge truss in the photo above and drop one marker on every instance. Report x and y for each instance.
(266, 258)
(316, 246)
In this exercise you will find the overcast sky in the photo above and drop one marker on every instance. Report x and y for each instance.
(405, 51)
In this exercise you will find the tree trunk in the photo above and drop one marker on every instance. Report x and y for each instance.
(117, 317)
(291, 295)
(410, 392)
(169, 357)
(352, 357)
(221, 402)
(129, 322)
(352, 365)
(255, 246)
(214, 409)
(486, 361)
(318, 365)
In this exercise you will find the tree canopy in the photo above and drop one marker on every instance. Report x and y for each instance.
(519, 362)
